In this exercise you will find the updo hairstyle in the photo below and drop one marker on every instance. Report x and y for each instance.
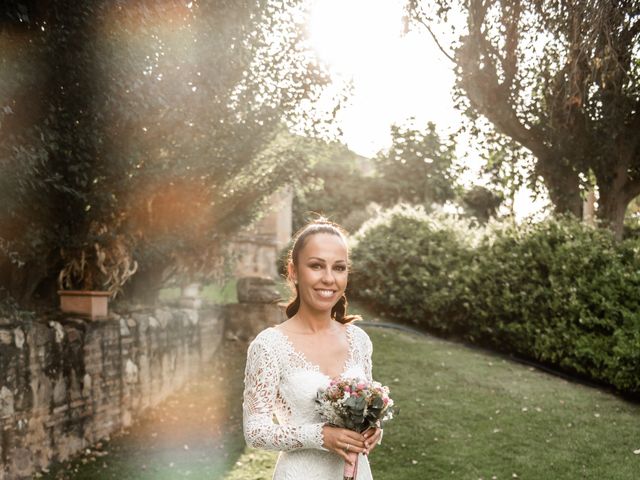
(320, 225)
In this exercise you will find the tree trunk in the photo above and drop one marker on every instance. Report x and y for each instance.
(616, 189)
(563, 185)
(589, 208)
(612, 207)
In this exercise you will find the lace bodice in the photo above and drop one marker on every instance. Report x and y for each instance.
(280, 380)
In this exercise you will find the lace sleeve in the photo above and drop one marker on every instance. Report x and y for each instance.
(261, 380)
(368, 351)
(367, 348)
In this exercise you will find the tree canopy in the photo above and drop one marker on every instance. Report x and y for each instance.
(141, 134)
(562, 80)
(418, 168)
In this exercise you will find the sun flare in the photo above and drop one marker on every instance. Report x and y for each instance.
(348, 34)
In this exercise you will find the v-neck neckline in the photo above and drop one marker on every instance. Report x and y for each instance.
(314, 366)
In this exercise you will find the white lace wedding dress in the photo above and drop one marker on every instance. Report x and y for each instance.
(280, 380)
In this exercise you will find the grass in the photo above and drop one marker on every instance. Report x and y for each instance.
(219, 294)
(465, 414)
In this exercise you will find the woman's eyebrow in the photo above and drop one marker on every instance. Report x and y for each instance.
(323, 260)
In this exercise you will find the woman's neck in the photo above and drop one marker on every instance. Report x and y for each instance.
(313, 322)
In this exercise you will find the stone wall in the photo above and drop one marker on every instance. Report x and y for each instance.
(65, 383)
(257, 247)
(245, 320)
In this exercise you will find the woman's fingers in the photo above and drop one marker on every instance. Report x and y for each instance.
(352, 447)
(372, 436)
(351, 442)
(343, 441)
(354, 438)
(344, 453)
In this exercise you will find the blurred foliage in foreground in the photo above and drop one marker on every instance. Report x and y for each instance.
(135, 137)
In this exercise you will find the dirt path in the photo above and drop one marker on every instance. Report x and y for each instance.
(195, 433)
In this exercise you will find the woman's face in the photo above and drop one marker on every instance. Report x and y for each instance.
(321, 272)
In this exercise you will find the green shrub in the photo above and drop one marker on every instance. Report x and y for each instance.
(562, 293)
(558, 291)
(408, 264)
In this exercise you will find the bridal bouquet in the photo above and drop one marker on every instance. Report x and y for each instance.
(354, 404)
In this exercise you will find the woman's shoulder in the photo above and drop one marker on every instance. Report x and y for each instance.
(266, 337)
(266, 344)
(359, 335)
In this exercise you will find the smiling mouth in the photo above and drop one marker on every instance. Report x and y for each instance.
(325, 293)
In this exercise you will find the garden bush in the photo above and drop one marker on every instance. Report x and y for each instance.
(558, 291)
(408, 264)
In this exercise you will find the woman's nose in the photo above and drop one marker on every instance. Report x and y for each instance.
(327, 276)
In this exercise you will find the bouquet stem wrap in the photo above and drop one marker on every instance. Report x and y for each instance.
(351, 471)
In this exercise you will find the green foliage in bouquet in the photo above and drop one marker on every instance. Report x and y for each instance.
(354, 404)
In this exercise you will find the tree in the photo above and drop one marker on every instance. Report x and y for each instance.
(142, 131)
(481, 202)
(335, 185)
(418, 168)
(562, 80)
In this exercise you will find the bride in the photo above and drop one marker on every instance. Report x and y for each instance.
(287, 364)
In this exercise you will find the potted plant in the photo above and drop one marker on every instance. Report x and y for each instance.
(91, 276)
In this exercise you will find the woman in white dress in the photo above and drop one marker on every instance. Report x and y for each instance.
(287, 364)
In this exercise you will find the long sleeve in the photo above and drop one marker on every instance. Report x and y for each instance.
(366, 360)
(367, 351)
(262, 376)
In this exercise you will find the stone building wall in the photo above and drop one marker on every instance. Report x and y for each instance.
(65, 383)
(257, 247)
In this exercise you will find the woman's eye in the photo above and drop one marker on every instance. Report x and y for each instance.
(341, 268)
(315, 266)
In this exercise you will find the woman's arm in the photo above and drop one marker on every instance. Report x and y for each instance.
(261, 380)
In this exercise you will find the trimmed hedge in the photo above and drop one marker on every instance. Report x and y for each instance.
(559, 292)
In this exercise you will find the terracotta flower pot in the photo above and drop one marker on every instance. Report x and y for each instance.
(88, 303)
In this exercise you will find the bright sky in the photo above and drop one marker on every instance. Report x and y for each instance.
(395, 76)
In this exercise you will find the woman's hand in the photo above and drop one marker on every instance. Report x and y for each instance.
(343, 441)
(372, 436)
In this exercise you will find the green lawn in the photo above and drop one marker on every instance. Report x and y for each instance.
(463, 414)
(468, 415)
(214, 293)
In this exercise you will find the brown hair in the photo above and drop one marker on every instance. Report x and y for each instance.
(320, 225)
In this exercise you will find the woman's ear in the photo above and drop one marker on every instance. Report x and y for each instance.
(291, 271)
